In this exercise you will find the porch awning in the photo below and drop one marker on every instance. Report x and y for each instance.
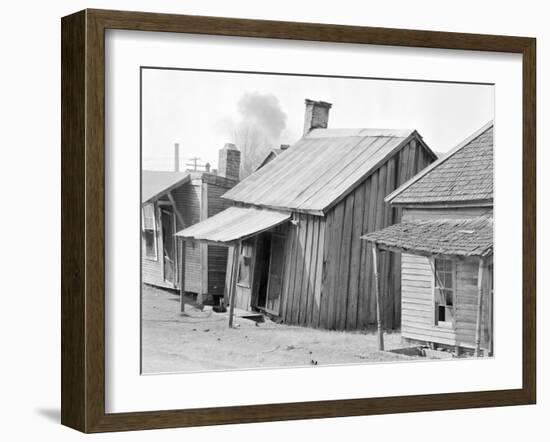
(453, 237)
(233, 224)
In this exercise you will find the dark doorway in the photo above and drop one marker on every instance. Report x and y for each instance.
(168, 245)
(275, 284)
(263, 251)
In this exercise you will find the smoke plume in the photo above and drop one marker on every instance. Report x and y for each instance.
(261, 123)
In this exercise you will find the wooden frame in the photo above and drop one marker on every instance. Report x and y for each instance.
(446, 324)
(156, 257)
(83, 220)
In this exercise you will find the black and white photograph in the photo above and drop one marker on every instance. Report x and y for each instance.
(304, 220)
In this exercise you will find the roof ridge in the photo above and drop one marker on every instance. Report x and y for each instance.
(438, 162)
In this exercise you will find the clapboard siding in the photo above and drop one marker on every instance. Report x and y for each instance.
(417, 297)
(152, 269)
(418, 314)
(195, 201)
(417, 283)
(328, 276)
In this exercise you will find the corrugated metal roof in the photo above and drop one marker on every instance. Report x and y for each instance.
(464, 175)
(154, 183)
(319, 169)
(233, 224)
(457, 237)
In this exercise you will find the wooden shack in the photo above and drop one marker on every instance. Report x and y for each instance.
(172, 201)
(445, 243)
(296, 224)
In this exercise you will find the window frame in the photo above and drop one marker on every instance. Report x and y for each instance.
(154, 230)
(436, 295)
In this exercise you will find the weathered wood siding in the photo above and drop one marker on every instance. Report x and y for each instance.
(417, 282)
(217, 255)
(302, 271)
(188, 202)
(328, 277)
(152, 269)
(418, 303)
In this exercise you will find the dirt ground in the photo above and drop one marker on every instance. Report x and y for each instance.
(200, 340)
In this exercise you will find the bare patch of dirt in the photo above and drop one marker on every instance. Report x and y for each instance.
(200, 340)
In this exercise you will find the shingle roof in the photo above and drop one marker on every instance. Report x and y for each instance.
(464, 175)
(320, 168)
(457, 237)
(154, 183)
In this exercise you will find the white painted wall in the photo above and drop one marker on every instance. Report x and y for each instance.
(30, 115)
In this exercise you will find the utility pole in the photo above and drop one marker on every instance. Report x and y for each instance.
(194, 162)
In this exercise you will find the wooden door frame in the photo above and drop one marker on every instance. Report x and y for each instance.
(283, 238)
(167, 207)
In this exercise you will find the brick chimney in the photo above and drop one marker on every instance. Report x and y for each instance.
(229, 162)
(316, 116)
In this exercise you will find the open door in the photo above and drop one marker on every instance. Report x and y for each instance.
(275, 283)
(169, 245)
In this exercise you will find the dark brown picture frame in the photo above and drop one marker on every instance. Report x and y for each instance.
(83, 220)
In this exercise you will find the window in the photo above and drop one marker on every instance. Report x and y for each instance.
(444, 291)
(243, 278)
(149, 231)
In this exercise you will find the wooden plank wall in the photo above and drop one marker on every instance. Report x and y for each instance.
(217, 255)
(417, 288)
(188, 202)
(187, 199)
(151, 269)
(341, 286)
(302, 271)
(418, 302)
(418, 314)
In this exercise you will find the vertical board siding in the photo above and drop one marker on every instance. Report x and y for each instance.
(342, 286)
(188, 201)
(217, 255)
(323, 311)
(327, 274)
(347, 300)
(319, 271)
(466, 301)
(355, 259)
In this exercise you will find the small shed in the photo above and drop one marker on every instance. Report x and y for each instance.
(172, 201)
(445, 244)
(296, 223)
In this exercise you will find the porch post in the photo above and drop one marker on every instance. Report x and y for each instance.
(181, 249)
(377, 295)
(233, 288)
(480, 280)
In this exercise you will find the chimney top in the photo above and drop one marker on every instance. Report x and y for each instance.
(316, 115)
(324, 104)
(229, 162)
(284, 146)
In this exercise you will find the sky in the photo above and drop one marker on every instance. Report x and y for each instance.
(202, 110)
